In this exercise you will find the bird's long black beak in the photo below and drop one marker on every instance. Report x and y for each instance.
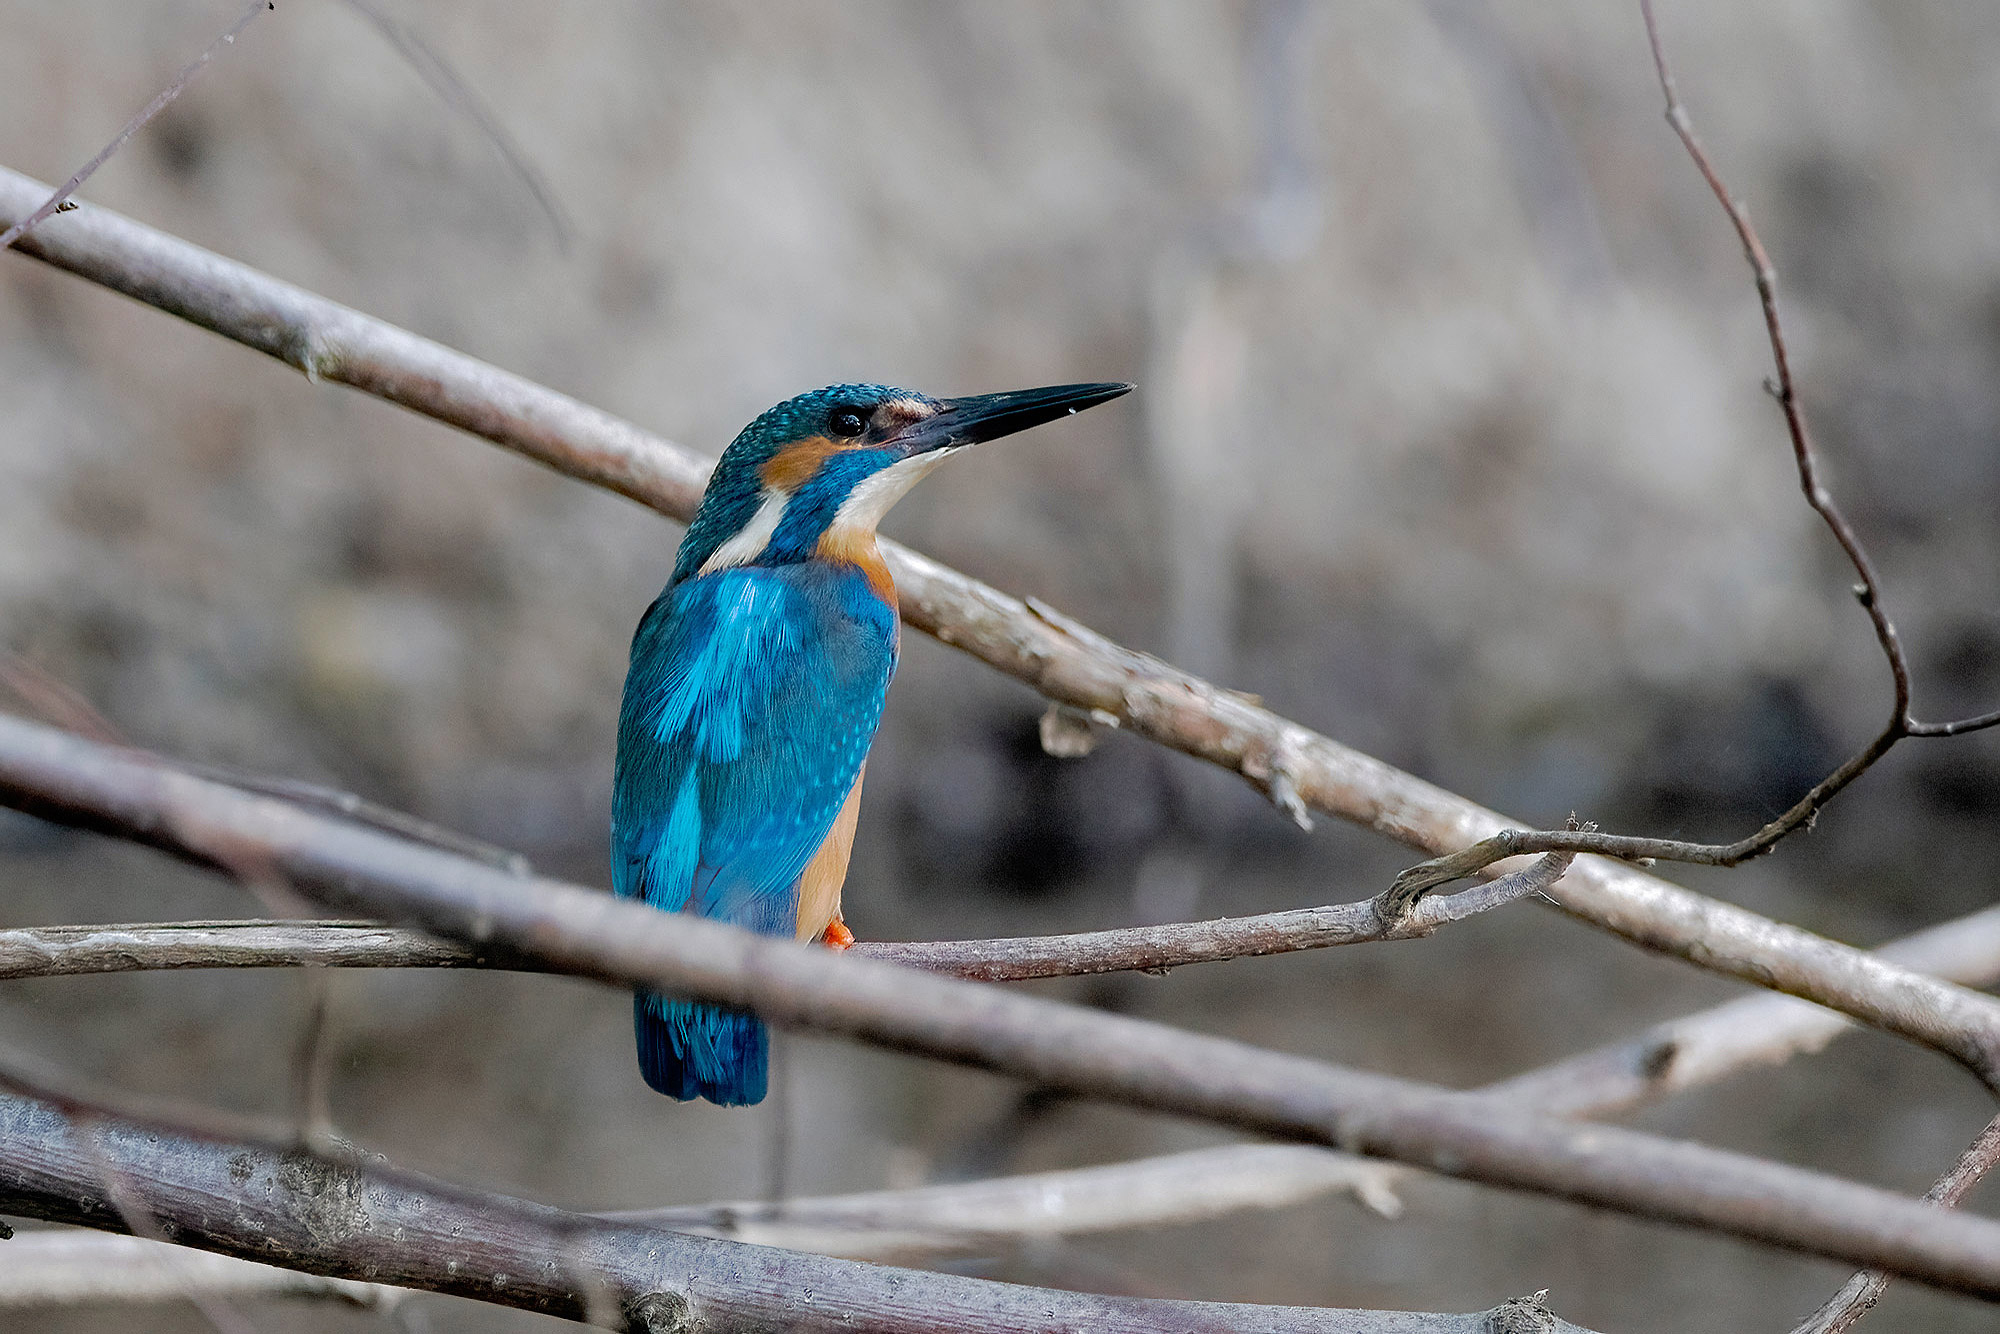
(968, 421)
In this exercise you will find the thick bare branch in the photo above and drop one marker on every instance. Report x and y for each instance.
(1065, 661)
(369, 1223)
(1665, 1060)
(58, 776)
(60, 951)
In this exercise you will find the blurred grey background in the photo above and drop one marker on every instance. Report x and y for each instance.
(1449, 442)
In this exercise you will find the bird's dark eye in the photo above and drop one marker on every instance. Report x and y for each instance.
(846, 422)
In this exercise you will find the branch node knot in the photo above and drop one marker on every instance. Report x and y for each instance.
(1283, 785)
(1067, 732)
(1523, 1315)
(660, 1313)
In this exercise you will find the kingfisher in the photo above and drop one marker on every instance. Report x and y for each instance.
(756, 684)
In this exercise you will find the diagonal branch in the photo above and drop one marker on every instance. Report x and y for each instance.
(349, 1219)
(1119, 1059)
(1857, 1297)
(1665, 1060)
(1067, 662)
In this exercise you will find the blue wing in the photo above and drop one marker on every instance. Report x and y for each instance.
(752, 700)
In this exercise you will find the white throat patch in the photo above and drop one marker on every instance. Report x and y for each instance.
(873, 496)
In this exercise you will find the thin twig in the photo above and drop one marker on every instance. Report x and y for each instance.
(349, 806)
(1783, 387)
(1857, 1297)
(54, 701)
(1113, 1057)
(64, 951)
(58, 202)
(1067, 662)
(443, 80)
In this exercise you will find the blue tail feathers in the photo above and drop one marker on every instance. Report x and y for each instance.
(691, 1049)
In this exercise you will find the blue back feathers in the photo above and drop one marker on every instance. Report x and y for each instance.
(752, 699)
(757, 681)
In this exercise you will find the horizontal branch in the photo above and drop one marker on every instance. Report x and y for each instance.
(69, 951)
(1067, 662)
(972, 1216)
(61, 951)
(1146, 1065)
(1193, 1186)
(1666, 1059)
(370, 1223)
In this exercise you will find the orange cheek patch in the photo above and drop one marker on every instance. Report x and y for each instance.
(793, 466)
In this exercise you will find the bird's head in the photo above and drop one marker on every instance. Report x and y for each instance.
(811, 478)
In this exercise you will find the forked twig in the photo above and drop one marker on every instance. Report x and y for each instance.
(1418, 880)
(1857, 1297)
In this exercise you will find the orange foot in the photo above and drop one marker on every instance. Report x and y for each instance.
(836, 936)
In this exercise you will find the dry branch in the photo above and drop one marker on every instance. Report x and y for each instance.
(1857, 1297)
(370, 1223)
(62, 777)
(62, 951)
(1065, 661)
(974, 1216)
(1667, 1059)
(1664, 1060)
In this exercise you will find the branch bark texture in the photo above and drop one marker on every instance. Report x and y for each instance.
(369, 1223)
